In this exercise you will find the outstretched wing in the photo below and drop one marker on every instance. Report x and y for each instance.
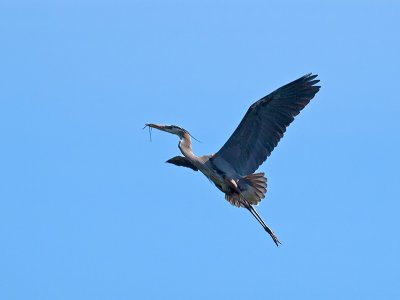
(265, 123)
(182, 161)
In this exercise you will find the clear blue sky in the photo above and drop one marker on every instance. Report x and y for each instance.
(89, 209)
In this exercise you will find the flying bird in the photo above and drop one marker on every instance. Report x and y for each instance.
(232, 168)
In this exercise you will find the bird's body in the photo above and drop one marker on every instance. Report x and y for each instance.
(232, 168)
(221, 173)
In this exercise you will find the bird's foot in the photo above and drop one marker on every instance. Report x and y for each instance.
(275, 238)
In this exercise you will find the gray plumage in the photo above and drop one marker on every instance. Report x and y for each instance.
(232, 168)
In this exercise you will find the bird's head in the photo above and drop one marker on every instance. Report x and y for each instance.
(169, 128)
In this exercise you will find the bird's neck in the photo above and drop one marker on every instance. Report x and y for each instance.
(185, 145)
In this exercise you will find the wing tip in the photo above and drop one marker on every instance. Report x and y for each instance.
(309, 76)
(310, 81)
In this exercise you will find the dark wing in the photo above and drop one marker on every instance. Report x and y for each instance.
(265, 123)
(182, 162)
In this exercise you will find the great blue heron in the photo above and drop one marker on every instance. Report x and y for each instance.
(232, 168)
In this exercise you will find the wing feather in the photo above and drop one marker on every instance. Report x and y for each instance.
(265, 123)
(182, 161)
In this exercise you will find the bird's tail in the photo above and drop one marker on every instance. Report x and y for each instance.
(252, 188)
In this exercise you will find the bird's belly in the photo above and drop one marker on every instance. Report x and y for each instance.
(222, 187)
(217, 179)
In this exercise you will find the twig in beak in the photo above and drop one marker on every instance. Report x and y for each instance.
(147, 125)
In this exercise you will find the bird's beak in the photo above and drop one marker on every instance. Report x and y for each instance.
(156, 126)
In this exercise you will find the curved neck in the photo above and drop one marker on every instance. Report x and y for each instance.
(185, 145)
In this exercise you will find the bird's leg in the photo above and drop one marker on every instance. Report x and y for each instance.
(251, 209)
(260, 220)
(232, 184)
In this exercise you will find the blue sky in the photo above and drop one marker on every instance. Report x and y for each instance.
(89, 209)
